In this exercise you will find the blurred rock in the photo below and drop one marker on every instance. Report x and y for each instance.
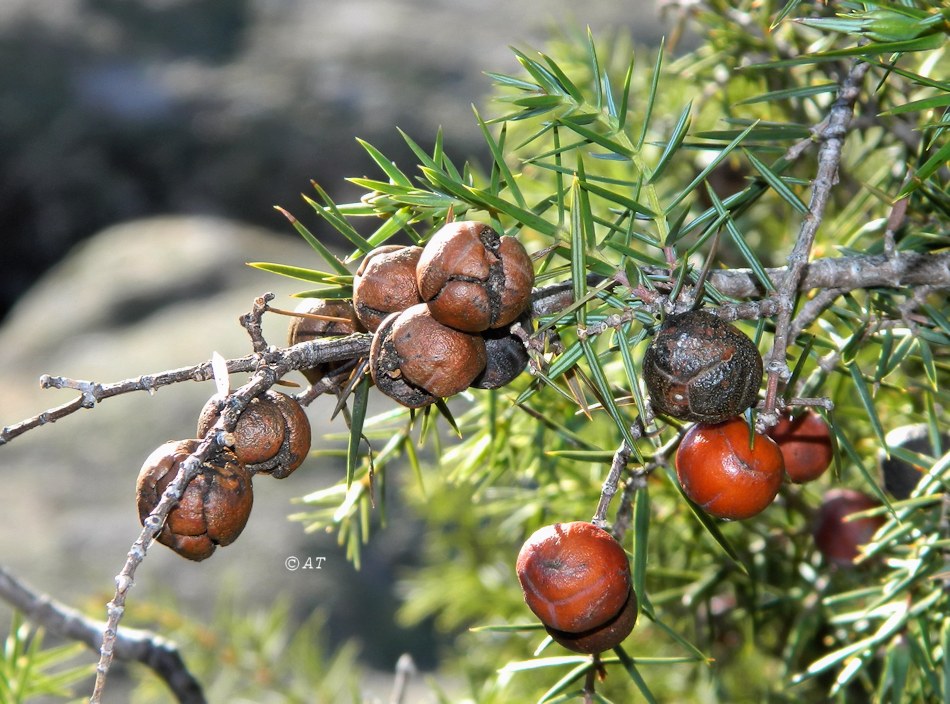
(140, 107)
(137, 298)
(144, 297)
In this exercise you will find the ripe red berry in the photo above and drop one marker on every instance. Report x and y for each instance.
(837, 539)
(575, 576)
(805, 443)
(728, 473)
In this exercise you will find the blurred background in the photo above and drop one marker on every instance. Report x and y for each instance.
(143, 145)
(117, 109)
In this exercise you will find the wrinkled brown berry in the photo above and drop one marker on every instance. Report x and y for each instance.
(506, 357)
(575, 576)
(272, 434)
(214, 507)
(473, 279)
(385, 283)
(701, 368)
(416, 360)
(305, 329)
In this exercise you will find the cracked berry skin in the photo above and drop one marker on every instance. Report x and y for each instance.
(700, 368)
(214, 507)
(473, 279)
(805, 442)
(608, 635)
(272, 435)
(718, 470)
(385, 283)
(416, 360)
(575, 577)
(258, 434)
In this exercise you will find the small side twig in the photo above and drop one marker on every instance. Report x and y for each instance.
(611, 483)
(894, 221)
(590, 682)
(813, 309)
(132, 645)
(251, 321)
(405, 669)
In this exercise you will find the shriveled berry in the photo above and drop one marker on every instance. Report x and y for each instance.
(575, 576)
(839, 540)
(385, 283)
(473, 279)
(506, 357)
(303, 329)
(701, 368)
(297, 438)
(805, 442)
(726, 472)
(416, 360)
(272, 434)
(259, 432)
(214, 507)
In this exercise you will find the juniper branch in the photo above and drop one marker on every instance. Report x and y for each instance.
(300, 356)
(902, 270)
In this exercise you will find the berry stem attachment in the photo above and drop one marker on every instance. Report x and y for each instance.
(611, 483)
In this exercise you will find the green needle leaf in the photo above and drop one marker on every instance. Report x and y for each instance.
(603, 387)
(674, 143)
(357, 417)
(388, 166)
(865, 395)
(631, 668)
(303, 274)
(316, 244)
(578, 250)
(777, 184)
(709, 167)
